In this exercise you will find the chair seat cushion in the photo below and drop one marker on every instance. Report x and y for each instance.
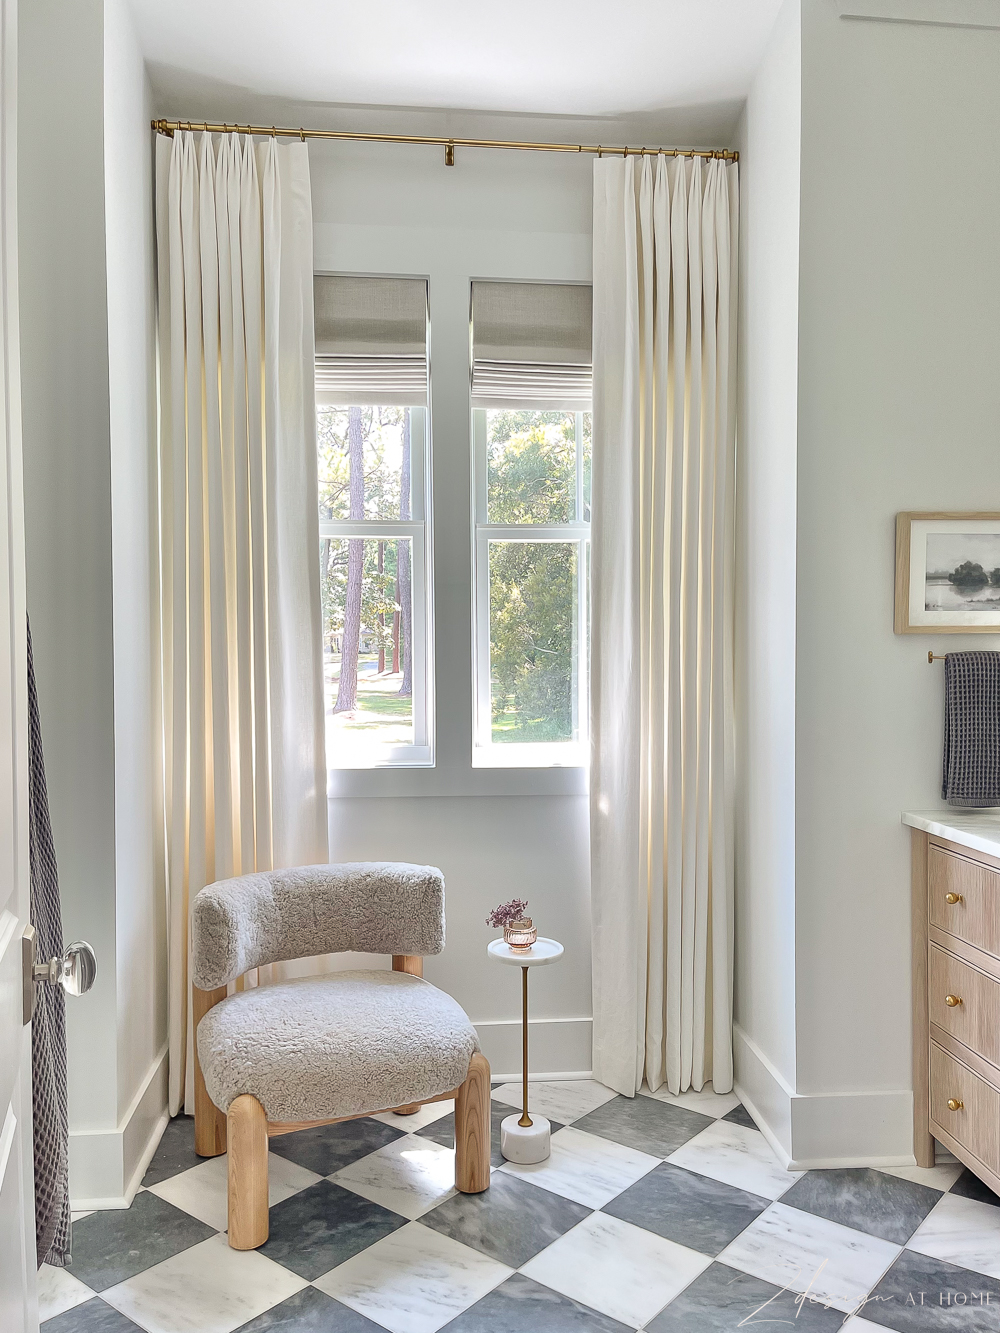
(342, 1044)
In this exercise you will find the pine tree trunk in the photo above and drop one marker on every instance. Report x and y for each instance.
(405, 595)
(381, 614)
(347, 691)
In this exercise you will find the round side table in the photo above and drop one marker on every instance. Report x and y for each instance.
(522, 1139)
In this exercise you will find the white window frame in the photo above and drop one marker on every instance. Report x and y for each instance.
(421, 753)
(524, 754)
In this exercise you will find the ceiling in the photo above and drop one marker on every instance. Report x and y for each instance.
(547, 57)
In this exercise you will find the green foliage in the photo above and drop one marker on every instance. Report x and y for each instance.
(382, 428)
(532, 637)
(378, 591)
(532, 466)
(533, 585)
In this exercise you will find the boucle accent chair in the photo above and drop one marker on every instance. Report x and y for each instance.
(274, 1059)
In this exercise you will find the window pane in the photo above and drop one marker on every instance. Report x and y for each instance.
(534, 638)
(532, 466)
(364, 462)
(367, 643)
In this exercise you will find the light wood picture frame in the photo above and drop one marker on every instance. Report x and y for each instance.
(947, 573)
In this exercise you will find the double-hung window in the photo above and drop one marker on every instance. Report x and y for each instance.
(531, 428)
(372, 451)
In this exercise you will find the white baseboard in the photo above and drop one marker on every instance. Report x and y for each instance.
(560, 1046)
(808, 1133)
(106, 1167)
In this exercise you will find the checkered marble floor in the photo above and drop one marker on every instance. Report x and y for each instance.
(667, 1214)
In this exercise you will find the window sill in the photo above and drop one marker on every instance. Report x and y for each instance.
(530, 756)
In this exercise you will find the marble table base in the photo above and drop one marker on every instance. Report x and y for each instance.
(525, 1144)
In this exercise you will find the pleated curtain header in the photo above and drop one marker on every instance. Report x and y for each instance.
(532, 344)
(371, 340)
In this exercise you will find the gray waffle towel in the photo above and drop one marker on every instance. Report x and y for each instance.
(971, 774)
(48, 1029)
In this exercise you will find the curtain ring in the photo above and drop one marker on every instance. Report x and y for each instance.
(274, 133)
(302, 134)
(599, 151)
(625, 151)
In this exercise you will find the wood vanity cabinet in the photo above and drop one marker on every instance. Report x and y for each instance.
(956, 1004)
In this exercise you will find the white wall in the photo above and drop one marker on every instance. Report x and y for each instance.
(899, 399)
(87, 382)
(893, 366)
(140, 892)
(769, 134)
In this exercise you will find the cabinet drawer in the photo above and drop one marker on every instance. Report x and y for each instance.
(975, 916)
(975, 1020)
(976, 1121)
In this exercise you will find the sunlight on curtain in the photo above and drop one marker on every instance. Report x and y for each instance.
(244, 764)
(665, 256)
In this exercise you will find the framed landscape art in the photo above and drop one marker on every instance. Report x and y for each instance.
(947, 573)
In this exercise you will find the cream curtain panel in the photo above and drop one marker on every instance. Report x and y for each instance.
(665, 255)
(243, 717)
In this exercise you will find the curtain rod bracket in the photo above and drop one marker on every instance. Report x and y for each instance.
(449, 154)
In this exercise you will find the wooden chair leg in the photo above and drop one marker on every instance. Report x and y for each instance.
(247, 1174)
(472, 1129)
(407, 1110)
(209, 1121)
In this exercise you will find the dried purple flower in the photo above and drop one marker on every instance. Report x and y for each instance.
(506, 913)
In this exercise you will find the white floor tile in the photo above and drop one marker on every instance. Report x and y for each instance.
(586, 1168)
(737, 1156)
(414, 1281)
(625, 1272)
(58, 1291)
(78, 1217)
(940, 1177)
(708, 1101)
(409, 1175)
(409, 1124)
(206, 1289)
(564, 1102)
(202, 1190)
(963, 1232)
(805, 1253)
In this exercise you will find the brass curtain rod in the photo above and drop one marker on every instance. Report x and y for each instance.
(448, 144)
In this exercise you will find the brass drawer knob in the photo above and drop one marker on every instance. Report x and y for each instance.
(954, 1104)
(952, 1000)
(952, 898)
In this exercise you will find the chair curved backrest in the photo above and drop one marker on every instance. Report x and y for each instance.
(274, 916)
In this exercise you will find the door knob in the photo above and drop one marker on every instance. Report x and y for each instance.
(954, 1104)
(952, 898)
(75, 971)
(952, 1000)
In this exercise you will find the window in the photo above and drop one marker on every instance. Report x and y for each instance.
(372, 449)
(531, 441)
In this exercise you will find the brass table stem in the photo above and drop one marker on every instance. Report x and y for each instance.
(525, 1118)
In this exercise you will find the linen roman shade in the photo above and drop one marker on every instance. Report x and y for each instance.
(531, 345)
(371, 340)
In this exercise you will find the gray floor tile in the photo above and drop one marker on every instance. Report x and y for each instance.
(971, 1187)
(723, 1300)
(703, 1214)
(94, 1316)
(331, 1147)
(175, 1152)
(739, 1115)
(645, 1124)
(310, 1311)
(867, 1200)
(443, 1130)
(522, 1306)
(109, 1247)
(511, 1221)
(320, 1227)
(923, 1295)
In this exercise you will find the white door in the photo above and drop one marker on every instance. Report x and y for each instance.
(18, 1303)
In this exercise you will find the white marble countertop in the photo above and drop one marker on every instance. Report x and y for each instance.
(978, 829)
